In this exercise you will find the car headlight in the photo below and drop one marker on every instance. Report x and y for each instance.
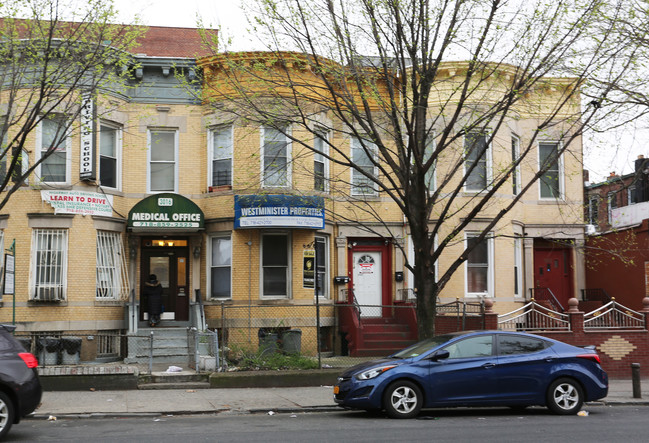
(374, 372)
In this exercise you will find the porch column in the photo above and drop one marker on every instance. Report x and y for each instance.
(580, 267)
(528, 265)
(341, 262)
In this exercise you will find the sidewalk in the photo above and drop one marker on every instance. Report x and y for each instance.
(200, 401)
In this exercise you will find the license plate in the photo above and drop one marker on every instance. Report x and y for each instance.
(336, 389)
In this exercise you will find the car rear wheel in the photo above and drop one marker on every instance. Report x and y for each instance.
(565, 396)
(6, 414)
(402, 399)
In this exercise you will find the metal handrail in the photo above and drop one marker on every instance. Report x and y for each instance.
(595, 294)
(546, 294)
(533, 316)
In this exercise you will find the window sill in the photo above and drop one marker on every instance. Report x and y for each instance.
(551, 201)
(99, 302)
(221, 188)
(33, 303)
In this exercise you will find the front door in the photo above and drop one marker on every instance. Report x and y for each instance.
(552, 270)
(367, 280)
(168, 260)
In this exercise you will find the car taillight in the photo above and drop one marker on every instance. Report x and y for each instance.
(592, 357)
(29, 359)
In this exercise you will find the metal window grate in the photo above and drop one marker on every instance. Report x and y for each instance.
(108, 345)
(112, 278)
(50, 261)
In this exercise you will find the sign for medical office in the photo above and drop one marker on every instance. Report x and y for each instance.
(88, 129)
(278, 211)
(79, 202)
(168, 211)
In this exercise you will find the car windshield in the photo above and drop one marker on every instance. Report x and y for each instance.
(423, 346)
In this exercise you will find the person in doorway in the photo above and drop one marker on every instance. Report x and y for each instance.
(153, 292)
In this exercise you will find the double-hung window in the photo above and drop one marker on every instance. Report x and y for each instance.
(220, 267)
(478, 266)
(112, 279)
(632, 197)
(612, 204)
(110, 140)
(516, 172)
(321, 257)
(54, 150)
(49, 264)
(163, 149)
(320, 164)
(364, 154)
(551, 182)
(593, 209)
(276, 153)
(275, 263)
(221, 156)
(476, 162)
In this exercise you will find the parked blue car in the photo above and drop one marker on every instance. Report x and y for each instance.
(476, 368)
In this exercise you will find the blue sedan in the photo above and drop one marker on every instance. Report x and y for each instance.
(482, 368)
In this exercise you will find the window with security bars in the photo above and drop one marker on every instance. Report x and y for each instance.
(108, 345)
(112, 280)
(50, 256)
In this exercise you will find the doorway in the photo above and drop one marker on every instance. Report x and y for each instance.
(553, 270)
(168, 260)
(370, 264)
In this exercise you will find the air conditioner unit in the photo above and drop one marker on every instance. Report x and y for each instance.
(591, 229)
(48, 293)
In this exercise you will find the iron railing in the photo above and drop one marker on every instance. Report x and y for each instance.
(546, 295)
(614, 316)
(533, 317)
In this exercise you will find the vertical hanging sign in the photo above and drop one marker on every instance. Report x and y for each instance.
(87, 157)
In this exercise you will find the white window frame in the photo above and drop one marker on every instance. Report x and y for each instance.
(519, 291)
(149, 162)
(516, 173)
(611, 196)
(631, 196)
(593, 202)
(118, 153)
(68, 153)
(288, 267)
(323, 135)
(210, 265)
(211, 153)
(289, 179)
(488, 165)
(490, 266)
(56, 280)
(560, 177)
(326, 292)
(356, 189)
(111, 267)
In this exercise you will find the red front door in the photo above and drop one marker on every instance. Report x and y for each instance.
(552, 270)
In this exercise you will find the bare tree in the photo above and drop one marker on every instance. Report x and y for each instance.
(425, 86)
(55, 55)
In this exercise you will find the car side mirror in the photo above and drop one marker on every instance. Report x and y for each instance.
(440, 355)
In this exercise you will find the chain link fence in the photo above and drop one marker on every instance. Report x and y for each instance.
(254, 337)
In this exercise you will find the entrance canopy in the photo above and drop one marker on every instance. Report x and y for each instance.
(166, 212)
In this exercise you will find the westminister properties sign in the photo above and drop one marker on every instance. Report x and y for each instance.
(278, 211)
(167, 211)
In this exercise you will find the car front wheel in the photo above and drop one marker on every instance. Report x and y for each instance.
(402, 399)
(6, 414)
(565, 396)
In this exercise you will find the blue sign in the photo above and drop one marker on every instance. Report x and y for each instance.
(278, 211)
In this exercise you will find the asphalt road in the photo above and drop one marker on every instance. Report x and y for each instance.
(603, 423)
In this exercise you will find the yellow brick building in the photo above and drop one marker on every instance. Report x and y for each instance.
(229, 216)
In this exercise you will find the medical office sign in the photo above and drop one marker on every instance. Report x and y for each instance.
(166, 211)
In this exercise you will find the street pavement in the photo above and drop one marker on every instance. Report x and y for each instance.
(115, 403)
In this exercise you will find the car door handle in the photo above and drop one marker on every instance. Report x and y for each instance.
(488, 365)
(549, 359)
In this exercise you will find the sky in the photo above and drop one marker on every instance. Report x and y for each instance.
(603, 154)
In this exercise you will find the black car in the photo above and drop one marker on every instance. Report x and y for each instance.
(20, 389)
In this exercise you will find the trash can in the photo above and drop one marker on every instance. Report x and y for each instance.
(292, 341)
(26, 342)
(267, 342)
(49, 350)
(70, 350)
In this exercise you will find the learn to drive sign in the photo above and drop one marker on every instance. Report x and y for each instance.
(278, 211)
(79, 202)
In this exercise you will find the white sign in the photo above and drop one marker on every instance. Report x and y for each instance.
(79, 202)
(87, 158)
(9, 274)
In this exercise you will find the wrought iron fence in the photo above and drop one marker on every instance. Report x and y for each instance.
(614, 316)
(533, 317)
